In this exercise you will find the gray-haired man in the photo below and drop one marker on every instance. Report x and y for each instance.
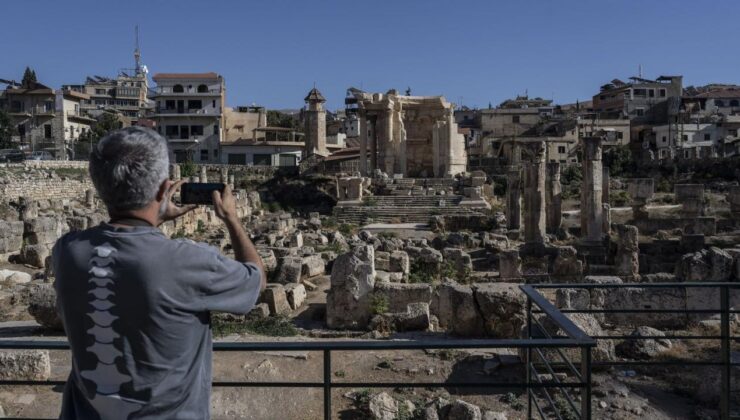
(135, 304)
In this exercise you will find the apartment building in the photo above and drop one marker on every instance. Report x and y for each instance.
(47, 119)
(640, 100)
(125, 94)
(189, 113)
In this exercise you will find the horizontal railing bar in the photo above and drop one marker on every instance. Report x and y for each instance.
(281, 384)
(345, 345)
(563, 322)
(632, 285)
(635, 311)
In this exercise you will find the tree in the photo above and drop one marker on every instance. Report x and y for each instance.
(104, 125)
(29, 78)
(7, 130)
(618, 159)
(278, 119)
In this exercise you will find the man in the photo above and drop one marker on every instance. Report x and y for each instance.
(135, 304)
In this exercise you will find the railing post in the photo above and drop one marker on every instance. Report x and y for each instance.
(327, 384)
(529, 358)
(586, 378)
(725, 352)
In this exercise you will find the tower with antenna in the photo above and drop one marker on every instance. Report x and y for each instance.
(137, 53)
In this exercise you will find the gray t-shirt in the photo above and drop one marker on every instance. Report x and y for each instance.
(136, 309)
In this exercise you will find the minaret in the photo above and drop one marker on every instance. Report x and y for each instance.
(137, 53)
(315, 124)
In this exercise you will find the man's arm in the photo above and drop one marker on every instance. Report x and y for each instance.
(244, 250)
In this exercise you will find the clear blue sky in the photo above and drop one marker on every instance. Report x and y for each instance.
(272, 51)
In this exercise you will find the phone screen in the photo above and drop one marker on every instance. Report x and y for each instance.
(199, 193)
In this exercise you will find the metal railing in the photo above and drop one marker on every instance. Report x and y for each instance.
(574, 338)
(725, 337)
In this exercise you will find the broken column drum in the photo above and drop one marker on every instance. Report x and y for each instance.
(592, 211)
(554, 197)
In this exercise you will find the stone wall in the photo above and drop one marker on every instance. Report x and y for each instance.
(39, 189)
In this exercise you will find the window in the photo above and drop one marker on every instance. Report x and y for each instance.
(515, 119)
(47, 131)
(237, 159)
(287, 160)
(100, 91)
(169, 104)
(214, 103)
(719, 102)
(195, 104)
(651, 93)
(202, 89)
(561, 149)
(639, 112)
(707, 136)
(196, 130)
(204, 155)
(620, 135)
(663, 139)
(262, 159)
(734, 102)
(640, 92)
(661, 93)
(178, 89)
(686, 153)
(172, 130)
(215, 129)
(685, 137)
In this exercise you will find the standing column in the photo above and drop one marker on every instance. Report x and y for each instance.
(203, 174)
(362, 127)
(513, 198)
(592, 211)
(374, 144)
(554, 198)
(402, 146)
(534, 196)
(388, 142)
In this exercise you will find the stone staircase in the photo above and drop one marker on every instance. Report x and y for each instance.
(400, 209)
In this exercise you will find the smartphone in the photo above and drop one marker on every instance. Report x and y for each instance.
(199, 193)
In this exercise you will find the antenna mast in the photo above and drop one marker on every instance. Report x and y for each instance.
(137, 52)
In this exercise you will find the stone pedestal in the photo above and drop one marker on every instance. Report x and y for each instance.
(554, 197)
(640, 191)
(733, 197)
(225, 175)
(592, 211)
(627, 259)
(691, 198)
(513, 198)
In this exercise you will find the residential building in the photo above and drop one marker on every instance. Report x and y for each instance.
(711, 100)
(189, 113)
(46, 119)
(688, 141)
(640, 100)
(268, 146)
(588, 125)
(126, 94)
(240, 122)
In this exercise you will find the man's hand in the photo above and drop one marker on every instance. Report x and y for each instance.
(174, 211)
(224, 205)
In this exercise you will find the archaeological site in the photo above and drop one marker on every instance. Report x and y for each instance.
(362, 211)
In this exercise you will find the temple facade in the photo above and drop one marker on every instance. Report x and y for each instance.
(415, 136)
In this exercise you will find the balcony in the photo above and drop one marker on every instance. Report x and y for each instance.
(167, 91)
(209, 112)
(79, 116)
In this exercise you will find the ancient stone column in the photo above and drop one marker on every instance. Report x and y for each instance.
(224, 175)
(627, 259)
(513, 198)
(203, 174)
(362, 127)
(175, 172)
(90, 198)
(554, 195)
(231, 181)
(374, 145)
(592, 211)
(534, 195)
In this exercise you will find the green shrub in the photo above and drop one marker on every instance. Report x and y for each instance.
(664, 186)
(379, 304)
(347, 229)
(619, 198)
(188, 169)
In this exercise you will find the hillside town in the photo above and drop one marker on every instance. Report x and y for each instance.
(523, 260)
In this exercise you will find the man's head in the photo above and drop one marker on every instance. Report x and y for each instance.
(130, 169)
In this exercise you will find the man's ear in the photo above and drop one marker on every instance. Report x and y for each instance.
(163, 189)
